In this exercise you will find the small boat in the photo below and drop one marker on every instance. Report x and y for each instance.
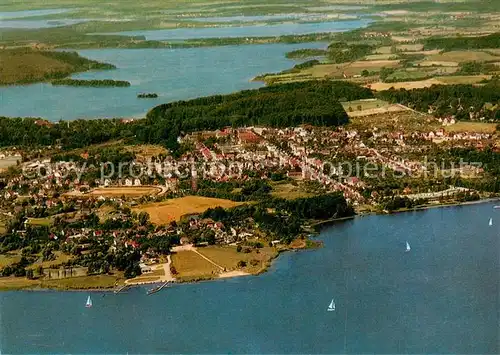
(89, 302)
(331, 307)
(491, 222)
(496, 207)
(408, 247)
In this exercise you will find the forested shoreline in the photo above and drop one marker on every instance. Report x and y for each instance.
(315, 103)
(26, 65)
(91, 83)
(463, 101)
(468, 43)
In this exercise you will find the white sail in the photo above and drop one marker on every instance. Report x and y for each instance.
(331, 307)
(408, 246)
(89, 302)
(491, 222)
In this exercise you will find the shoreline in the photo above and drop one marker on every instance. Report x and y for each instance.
(232, 273)
(428, 207)
(235, 273)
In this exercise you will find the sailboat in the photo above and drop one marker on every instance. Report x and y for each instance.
(89, 302)
(331, 307)
(408, 247)
(491, 222)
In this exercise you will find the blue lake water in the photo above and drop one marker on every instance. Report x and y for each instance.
(291, 16)
(39, 23)
(30, 13)
(442, 297)
(174, 74)
(249, 31)
(336, 8)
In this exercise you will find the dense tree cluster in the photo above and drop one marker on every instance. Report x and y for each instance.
(341, 52)
(320, 207)
(398, 202)
(468, 43)
(70, 134)
(91, 83)
(283, 218)
(473, 68)
(463, 101)
(314, 102)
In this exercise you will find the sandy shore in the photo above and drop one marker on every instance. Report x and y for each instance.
(235, 273)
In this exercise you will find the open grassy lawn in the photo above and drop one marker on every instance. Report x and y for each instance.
(16, 283)
(10, 161)
(364, 104)
(191, 265)
(381, 57)
(289, 191)
(462, 79)
(410, 47)
(152, 276)
(360, 108)
(60, 258)
(494, 51)
(146, 150)
(464, 126)
(228, 257)
(383, 50)
(84, 282)
(405, 85)
(332, 71)
(408, 75)
(392, 121)
(9, 258)
(460, 57)
(174, 209)
(132, 191)
(45, 222)
(3, 227)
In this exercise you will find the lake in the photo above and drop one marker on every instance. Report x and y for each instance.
(174, 74)
(442, 297)
(281, 29)
(24, 19)
(30, 13)
(30, 24)
(261, 18)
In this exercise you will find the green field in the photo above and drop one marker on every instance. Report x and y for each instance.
(228, 257)
(39, 222)
(191, 265)
(362, 105)
(9, 258)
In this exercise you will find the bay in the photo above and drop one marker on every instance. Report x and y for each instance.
(282, 29)
(174, 74)
(442, 297)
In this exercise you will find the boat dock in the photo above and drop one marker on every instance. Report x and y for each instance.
(159, 288)
(121, 288)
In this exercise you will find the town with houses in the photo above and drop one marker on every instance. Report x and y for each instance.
(64, 195)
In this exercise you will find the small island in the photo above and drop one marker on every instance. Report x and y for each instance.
(151, 95)
(91, 83)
